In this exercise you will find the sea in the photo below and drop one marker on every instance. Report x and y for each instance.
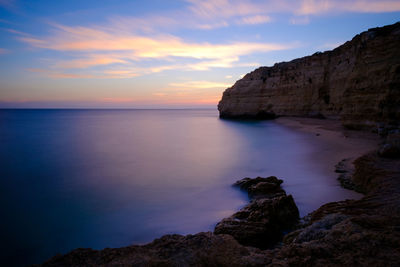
(91, 178)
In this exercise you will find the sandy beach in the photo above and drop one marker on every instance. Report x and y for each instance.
(333, 142)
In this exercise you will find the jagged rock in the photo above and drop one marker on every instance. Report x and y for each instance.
(341, 167)
(389, 151)
(202, 249)
(262, 222)
(391, 147)
(261, 187)
(345, 169)
(320, 228)
(346, 181)
(358, 82)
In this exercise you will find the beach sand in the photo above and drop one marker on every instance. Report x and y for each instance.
(333, 141)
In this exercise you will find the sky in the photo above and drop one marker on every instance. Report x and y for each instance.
(161, 53)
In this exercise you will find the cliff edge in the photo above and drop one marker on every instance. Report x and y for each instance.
(358, 82)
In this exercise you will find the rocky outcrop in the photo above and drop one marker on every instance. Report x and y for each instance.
(202, 249)
(358, 82)
(262, 222)
(391, 146)
(361, 232)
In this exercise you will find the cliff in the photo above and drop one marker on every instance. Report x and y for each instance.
(358, 82)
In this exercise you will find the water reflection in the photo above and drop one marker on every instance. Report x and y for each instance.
(109, 178)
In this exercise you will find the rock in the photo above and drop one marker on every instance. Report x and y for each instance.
(261, 187)
(345, 170)
(341, 167)
(262, 222)
(391, 147)
(357, 82)
(202, 249)
(389, 151)
(320, 228)
(346, 181)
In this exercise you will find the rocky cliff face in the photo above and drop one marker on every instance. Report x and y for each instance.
(358, 82)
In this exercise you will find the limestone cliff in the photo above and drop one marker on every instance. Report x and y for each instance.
(358, 82)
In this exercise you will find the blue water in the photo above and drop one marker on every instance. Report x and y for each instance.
(111, 178)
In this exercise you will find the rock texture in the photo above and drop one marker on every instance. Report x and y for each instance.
(358, 82)
(262, 222)
(202, 249)
(361, 232)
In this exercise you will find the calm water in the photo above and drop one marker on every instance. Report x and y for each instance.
(110, 178)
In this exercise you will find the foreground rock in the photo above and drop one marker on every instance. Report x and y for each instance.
(202, 249)
(362, 232)
(391, 146)
(357, 82)
(262, 222)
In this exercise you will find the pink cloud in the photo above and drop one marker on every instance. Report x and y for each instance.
(88, 39)
(253, 20)
(314, 7)
(94, 60)
(60, 75)
(4, 51)
(116, 99)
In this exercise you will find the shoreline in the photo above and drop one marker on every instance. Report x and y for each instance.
(329, 143)
(333, 143)
(337, 233)
(333, 140)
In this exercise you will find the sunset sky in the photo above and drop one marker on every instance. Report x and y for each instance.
(161, 53)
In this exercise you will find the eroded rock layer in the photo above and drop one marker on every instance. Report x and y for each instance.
(264, 220)
(358, 82)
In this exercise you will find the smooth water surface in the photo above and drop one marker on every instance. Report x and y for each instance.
(111, 178)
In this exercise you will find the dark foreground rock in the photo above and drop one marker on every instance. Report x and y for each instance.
(391, 146)
(202, 249)
(363, 232)
(262, 222)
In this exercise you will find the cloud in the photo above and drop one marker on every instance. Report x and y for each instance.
(227, 62)
(104, 74)
(7, 3)
(200, 84)
(300, 20)
(126, 47)
(211, 14)
(117, 99)
(4, 51)
(60, 75)
(121, 74)
(159, 94)
(87, 47)
(314, 7)
(212, 25)
(256, 9)
(90, 61)
(91, 39)
(253, 20)
(222, 8)
(330, 46)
